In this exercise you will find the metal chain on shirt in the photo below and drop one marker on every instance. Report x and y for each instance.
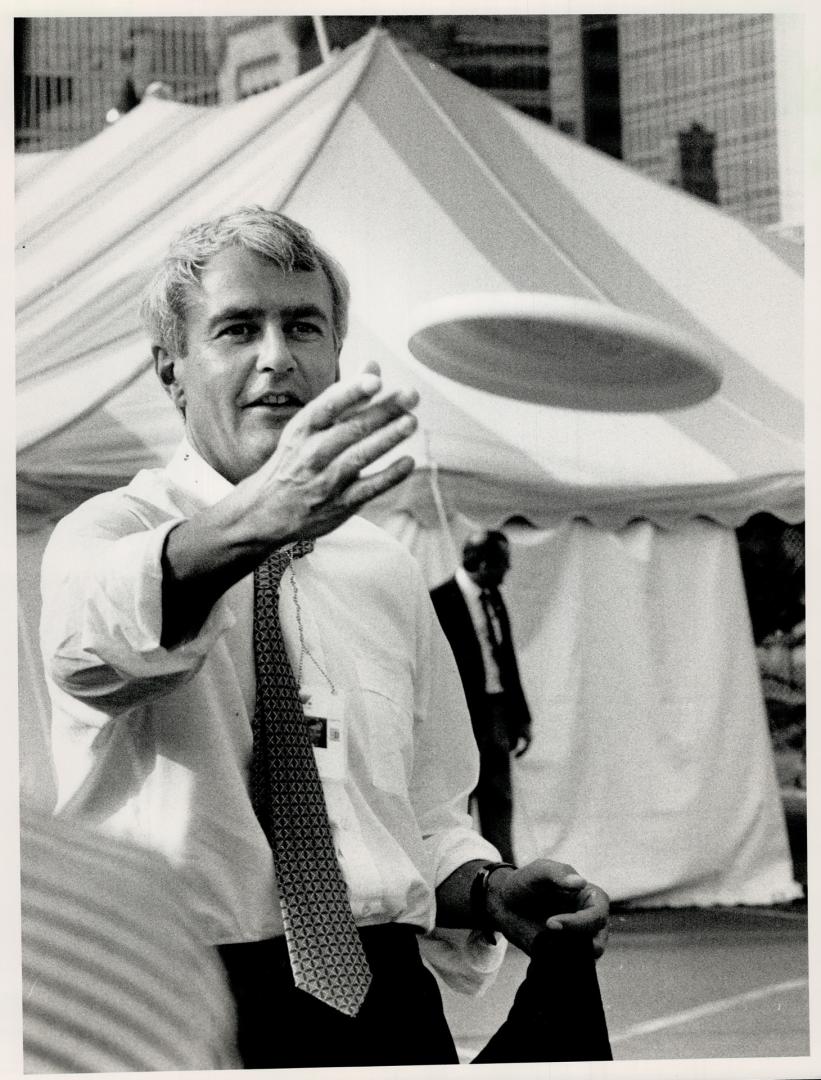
(326, 954)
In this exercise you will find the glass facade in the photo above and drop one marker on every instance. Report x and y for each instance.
(71, 72)
(717, 71)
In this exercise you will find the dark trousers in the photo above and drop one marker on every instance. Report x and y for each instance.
(494, 791)
(557, 1014)
(401, 1021)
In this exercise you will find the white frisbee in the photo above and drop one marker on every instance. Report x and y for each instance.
(562, 350)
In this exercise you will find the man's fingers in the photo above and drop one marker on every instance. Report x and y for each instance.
(567, 880)
(578, 921)
(354, 431)
(591, 917)
(368, 487)
(548, 874)
(600, 942)
(327, 407)
(407, 398)
(348, 465)
(523, 744)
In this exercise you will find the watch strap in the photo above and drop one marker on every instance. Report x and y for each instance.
(480, 916)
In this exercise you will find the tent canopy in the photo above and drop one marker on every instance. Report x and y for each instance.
(422, 186)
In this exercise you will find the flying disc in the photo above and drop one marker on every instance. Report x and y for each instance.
(564, 351)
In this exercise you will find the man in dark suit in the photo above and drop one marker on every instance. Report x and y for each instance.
(475, 621)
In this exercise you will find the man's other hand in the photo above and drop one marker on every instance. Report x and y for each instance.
(546, 894)
(522, 742)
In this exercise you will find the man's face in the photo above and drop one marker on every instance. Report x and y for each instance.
(493, 564)
(260, 347)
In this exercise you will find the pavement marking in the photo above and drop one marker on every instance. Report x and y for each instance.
(710, 1008)
(770, 913)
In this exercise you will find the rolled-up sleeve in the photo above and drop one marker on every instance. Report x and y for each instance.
(102, 611)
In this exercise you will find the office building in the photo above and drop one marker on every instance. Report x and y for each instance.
(74, 75)
(710, 103)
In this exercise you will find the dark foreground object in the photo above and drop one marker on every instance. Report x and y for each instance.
(400, 1023)
(557, 1014)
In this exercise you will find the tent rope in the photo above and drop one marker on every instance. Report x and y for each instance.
(438, 502)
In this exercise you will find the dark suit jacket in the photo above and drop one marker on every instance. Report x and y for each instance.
(457, 624)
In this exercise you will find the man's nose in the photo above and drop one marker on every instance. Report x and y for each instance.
(274, 351)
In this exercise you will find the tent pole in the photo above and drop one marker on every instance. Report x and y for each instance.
(322, 38)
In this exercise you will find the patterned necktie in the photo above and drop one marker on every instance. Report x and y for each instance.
(326, 954)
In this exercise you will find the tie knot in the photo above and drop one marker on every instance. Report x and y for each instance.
(278, 561)
(301, 547)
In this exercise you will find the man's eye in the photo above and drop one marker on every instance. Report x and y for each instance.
(238, 330)
(303, 329)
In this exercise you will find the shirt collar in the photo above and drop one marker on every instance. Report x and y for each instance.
(466, 582)
(196, 477)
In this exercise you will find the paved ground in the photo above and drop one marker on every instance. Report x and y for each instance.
(691, 983)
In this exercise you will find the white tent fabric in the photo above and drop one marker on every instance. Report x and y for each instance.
(672, 776)
(423, 187)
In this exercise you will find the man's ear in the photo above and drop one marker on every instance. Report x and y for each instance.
(165, 366)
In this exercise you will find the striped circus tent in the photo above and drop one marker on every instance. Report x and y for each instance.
(114, 977)
(423, 187)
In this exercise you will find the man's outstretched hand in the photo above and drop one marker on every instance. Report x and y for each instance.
(546, 894)
(314, 480)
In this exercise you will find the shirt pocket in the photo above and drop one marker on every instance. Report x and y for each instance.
(388, 731)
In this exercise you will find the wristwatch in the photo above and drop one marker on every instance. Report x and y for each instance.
(480, 916)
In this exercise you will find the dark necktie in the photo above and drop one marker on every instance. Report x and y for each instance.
(491, 604)
(326, 954)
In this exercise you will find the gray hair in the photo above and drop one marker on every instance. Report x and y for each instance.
(288, 245)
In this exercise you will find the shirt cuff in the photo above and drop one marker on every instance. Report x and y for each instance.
(464, 959)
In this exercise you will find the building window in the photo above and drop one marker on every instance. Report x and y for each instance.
(255, 76)
(696, 149)
(602, 96)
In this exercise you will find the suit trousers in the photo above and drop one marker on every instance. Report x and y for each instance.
(401, 1021)
(494, 791)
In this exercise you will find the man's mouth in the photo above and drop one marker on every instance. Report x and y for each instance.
(276, 401)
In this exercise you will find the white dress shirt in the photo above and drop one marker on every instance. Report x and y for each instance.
(154, 744)
(472, 594)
